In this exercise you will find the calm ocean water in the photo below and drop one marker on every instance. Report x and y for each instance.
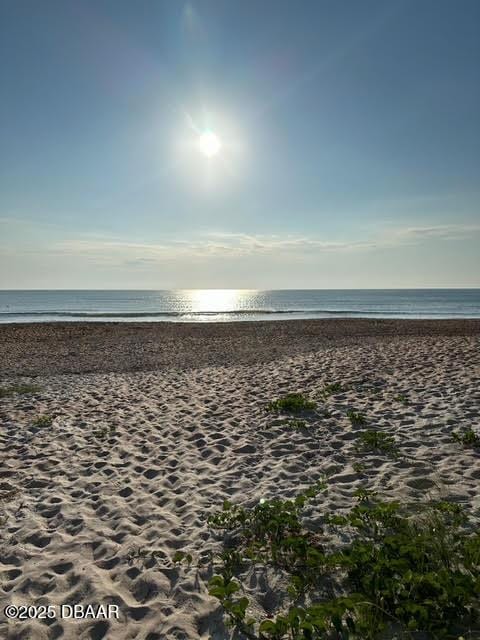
(210, 305)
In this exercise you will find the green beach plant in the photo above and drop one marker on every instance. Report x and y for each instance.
(103, 431)
(356, 418)
(417, 571)
(269, 529)
(291, 403)
(20, 389)
(332, 389)
(43, 421)
(373, 440)
(467, 437)
(405, 570)
(180, 557)
(358, 467)
(295, 423)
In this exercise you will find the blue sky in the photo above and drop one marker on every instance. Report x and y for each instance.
(350, 139)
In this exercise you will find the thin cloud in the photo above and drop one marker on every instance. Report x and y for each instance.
(446, 231)
(227, 245)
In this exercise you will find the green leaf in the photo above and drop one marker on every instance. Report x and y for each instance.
(216, 581)
(267, 626)
(231, 587)
(217, 592)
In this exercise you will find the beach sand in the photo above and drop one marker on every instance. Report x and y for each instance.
(155, 425)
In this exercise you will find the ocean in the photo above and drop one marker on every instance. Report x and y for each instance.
(220, 305)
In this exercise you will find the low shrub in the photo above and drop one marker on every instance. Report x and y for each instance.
(372, 440)
(468, 438)
(409, 571)
(356, 418)
(332, 389)
(43, 421)
(18, 388)
(291, 403)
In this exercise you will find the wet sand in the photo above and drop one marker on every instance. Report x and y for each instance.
(80, 347)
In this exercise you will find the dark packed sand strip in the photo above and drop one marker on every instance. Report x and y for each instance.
(38, 349)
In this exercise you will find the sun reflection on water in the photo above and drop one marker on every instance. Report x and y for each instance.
(216, 300)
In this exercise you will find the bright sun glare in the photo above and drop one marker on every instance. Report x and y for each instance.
(209, 144)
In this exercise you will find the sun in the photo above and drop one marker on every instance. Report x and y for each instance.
(209, 144)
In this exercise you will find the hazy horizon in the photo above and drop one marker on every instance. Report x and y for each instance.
(248, 289)
(240, 145)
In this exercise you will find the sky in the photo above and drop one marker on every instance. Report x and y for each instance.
(349, 137)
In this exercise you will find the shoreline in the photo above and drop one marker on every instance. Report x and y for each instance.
(36, 349)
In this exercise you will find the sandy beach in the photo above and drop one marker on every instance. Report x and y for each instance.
(152, 426)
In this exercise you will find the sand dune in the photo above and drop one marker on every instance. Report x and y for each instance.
(97, 503)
